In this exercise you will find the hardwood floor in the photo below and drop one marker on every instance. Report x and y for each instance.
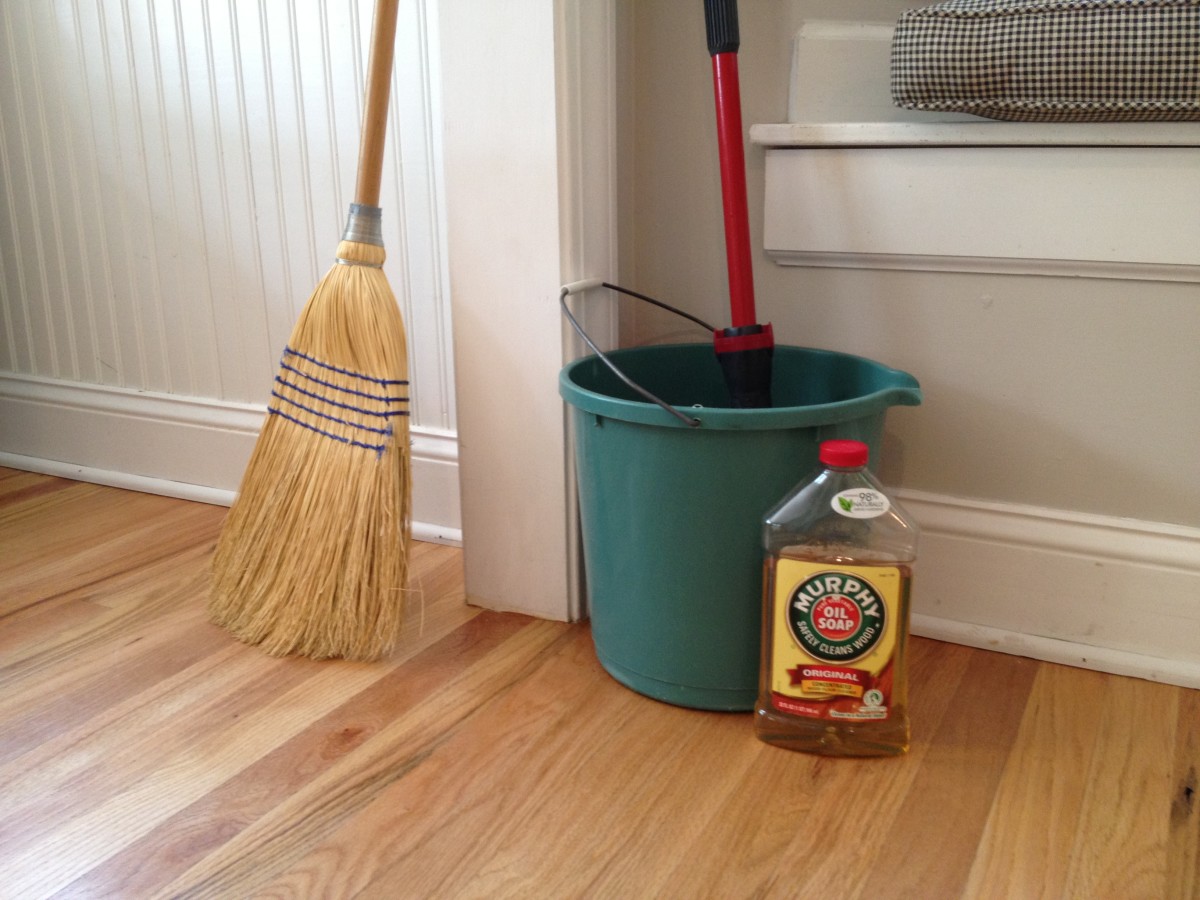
(144, 753)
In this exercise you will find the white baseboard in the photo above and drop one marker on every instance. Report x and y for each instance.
(186, 447)
(1064, 652)
(1105, 593)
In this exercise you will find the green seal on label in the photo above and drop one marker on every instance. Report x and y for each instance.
(836, 617)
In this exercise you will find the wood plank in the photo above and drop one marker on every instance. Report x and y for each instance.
(42, 636)
(18, 487)
(468, 792)
(762, 840)
(201, 829)
(1124, 820)
(24, 630)
(375, 783)
(599, 796)
(51, 693)
(84, 536)
(185, 772)
(63, 778)
(1183, 843)
(938, 828)
(1033, 823)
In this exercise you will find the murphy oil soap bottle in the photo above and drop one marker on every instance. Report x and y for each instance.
(838, 576)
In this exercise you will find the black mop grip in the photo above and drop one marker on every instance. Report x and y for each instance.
(745, 355)
(721, 22)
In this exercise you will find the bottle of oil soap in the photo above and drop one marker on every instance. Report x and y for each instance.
(837, 582)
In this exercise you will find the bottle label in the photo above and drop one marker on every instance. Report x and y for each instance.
(835, 631)
(860, 503)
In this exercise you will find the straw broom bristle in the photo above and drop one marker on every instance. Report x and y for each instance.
(313, 557)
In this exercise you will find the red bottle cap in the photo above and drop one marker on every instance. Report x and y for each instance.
(844, 454)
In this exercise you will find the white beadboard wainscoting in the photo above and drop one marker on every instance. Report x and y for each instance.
(176, 176)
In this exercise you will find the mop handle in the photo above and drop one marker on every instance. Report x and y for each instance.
(721, 21)
(379, 84)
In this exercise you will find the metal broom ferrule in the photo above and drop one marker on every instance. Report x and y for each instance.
(364, 225)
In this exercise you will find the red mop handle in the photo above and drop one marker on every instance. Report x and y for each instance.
(723, 44)
(744, 350)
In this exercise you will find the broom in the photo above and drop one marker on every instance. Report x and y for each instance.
(313, 556)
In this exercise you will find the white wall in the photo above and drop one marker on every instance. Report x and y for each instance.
(1067, 405)
(1041, 390)
(175, 178)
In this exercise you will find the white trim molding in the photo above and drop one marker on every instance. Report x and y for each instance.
(1106, 593)
(186, 447)
(987, 265)
(1124, 212)
(530, 182)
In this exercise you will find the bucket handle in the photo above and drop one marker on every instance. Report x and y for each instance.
(579, 287)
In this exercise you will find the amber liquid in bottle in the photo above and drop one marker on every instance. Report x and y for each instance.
(835, 736)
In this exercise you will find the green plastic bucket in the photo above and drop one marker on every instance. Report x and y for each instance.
(671, 512)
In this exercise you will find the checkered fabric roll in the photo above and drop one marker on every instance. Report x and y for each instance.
(1051, 60)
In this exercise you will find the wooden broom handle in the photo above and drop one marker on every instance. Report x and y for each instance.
(379, 84)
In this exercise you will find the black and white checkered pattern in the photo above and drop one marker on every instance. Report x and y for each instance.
(1051, 60)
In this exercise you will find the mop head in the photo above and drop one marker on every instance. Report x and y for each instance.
(313, 558)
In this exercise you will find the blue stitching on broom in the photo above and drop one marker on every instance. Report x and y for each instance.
(324, 365)
(387, 414)
(378, 448)
(385, 382)
(308, 409)
(345, 390)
